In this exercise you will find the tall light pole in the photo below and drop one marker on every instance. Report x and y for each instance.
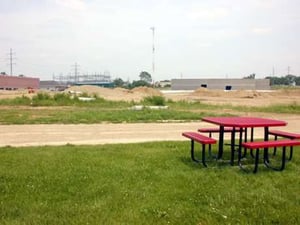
(153, 52)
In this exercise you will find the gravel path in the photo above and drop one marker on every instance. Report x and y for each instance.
(58, 134)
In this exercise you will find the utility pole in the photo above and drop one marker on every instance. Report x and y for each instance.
(289, 68)
(153, 51)
(11, 53)
(76, 67)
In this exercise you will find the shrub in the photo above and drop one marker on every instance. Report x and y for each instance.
(41, 96)
(84, 94)
(155, 100)
(24, 100)
(62, 98)
(42, 99)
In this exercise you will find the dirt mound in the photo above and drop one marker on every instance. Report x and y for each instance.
(242, 97)
(233, 97)
(115, 94)
(208, 93)
(227, 94)
(243, 94)
(146, 91)
(288, 92)
(4, 94)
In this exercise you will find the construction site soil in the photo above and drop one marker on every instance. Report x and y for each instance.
(238, 97)
(57, 134)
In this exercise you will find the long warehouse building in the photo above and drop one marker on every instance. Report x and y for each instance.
(221, 84)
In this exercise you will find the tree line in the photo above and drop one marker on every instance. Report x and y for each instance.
(145, 80)
(284, 80)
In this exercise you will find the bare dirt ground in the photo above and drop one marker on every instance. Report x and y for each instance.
(241, 97)
(33, 135)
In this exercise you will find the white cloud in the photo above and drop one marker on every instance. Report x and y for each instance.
(191, 36)
(205, 45)
(72, 4)
(208, 14)
(261, 30)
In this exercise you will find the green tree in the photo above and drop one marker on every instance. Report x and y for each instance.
(251, 76)
(297, 81)
(290, 78)
(145, 76)
(139, 83)
(118, 82)
(286, 80)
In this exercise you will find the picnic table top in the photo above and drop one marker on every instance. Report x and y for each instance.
(244, 121)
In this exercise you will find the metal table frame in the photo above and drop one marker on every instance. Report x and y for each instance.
(244, 123)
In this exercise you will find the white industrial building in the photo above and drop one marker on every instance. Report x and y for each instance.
(221, 84)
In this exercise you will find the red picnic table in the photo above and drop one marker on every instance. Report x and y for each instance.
(243, 123)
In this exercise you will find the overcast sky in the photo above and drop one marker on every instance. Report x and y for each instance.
(193, 38)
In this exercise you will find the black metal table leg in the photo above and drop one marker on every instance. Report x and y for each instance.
(256, 161)
(266, 151)
(245, 140)
(283, 160)
(203, 155)
(193, 152)
(252, 139)
(232, 146)
(240, 143)
(291, 153)
(274, 151)
(221, 142)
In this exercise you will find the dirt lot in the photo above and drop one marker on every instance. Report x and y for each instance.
(32, 135)
(243, 97)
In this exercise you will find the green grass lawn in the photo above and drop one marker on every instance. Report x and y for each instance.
(149, 183)
(89, 115)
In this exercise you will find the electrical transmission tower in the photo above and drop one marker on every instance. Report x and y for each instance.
(11, 63)
(76, 71)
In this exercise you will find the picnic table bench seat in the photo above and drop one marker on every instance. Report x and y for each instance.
(264, 145)
(284, 134)
(203, 140)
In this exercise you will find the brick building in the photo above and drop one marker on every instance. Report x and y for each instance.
(21, 82)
